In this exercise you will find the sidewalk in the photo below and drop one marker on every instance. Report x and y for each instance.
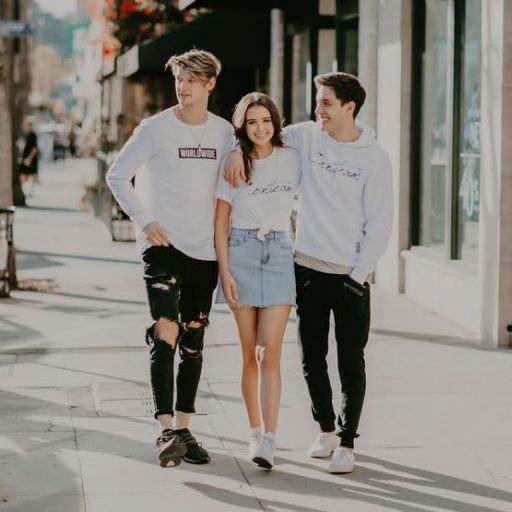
(76, 432)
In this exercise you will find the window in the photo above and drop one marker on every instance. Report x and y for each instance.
(449, 157)
(435, 170)
(301, 78)
(469, 135)
(347, 27)
(326, 51)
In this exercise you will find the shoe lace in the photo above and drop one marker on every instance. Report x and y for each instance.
(342, 455)
(189, 439)
(270, 442)
(165, 437)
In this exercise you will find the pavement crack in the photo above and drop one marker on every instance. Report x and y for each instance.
(75, 439)
(260, 503)
(214, 395)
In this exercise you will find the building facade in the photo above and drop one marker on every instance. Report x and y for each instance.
(439, 94)
(442, 112)
(439, 84)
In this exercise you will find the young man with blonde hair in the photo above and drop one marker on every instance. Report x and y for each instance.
(175, 156)
(343, 227)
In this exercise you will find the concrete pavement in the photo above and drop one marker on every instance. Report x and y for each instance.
(76, 432)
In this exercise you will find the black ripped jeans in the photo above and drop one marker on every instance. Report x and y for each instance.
(318, 294)
(180, 289)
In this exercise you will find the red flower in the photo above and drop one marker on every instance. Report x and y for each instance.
(128, 7)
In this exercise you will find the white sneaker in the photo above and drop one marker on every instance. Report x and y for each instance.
(264, 453)
(254, 442)
(324, 445)
(342, 461)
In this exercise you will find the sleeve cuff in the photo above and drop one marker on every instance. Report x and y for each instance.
(224, 198)
(359, 274)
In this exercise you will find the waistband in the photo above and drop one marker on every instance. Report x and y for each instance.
(255, 233)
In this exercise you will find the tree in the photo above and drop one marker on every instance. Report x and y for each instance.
(5, 124)
(13, 102)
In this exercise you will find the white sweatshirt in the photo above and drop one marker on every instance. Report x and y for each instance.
(176, 167)
(346, 207)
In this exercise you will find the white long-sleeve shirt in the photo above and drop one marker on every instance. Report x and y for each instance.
(346, 207)
(176, 167)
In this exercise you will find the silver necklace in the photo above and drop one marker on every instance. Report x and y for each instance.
(180, 117)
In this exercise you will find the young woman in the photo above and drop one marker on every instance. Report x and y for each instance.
(255, 258)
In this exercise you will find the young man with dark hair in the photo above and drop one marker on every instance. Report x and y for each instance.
(176, 155)
(343, 226)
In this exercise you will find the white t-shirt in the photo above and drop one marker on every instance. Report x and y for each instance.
(266, 203)
(176, 167)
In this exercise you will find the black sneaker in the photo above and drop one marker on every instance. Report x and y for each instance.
(196, 454)
(170, 448)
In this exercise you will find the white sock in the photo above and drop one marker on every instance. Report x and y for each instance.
(255, 432)
(270, 435)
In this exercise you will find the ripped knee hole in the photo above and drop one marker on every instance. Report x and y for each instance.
(191, 353)
(165, 284)
(167, 330)
(200, 323)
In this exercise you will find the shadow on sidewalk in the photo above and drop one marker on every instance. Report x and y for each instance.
(373, 486)
(451, 341)
(77, 257)
(37, 456)
(52, 209)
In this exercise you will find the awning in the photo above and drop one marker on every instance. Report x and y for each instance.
(240, 38)
(222, 4)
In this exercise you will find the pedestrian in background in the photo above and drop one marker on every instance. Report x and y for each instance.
(29, 159)
(256, 261)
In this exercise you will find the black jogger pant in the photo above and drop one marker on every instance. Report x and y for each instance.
(318, 294)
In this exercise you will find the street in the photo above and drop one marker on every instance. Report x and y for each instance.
(76, 428)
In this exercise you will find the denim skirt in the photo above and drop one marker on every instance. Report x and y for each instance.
(263, 269)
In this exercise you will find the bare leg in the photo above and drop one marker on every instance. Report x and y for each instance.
(246, 320)
(271, 326)
(183, 419)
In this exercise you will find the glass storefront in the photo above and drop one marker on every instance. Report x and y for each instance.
(321, 37)
(449, 178)
(326, 51)
(469, 175)
(436, 121)
(301, 77)
(347, 26)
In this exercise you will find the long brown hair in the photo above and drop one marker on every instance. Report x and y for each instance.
(255, 99)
